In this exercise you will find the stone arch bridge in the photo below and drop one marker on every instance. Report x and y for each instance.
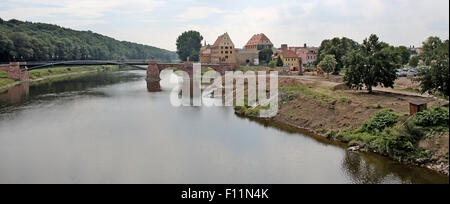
(19, 70)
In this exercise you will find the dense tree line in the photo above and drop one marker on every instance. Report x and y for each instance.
(25, 41)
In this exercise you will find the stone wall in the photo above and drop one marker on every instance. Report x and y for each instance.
(247, 57)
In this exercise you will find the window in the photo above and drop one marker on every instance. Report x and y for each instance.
(226, 52)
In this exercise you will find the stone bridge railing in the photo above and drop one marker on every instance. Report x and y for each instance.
(15, 72)
(155, 68)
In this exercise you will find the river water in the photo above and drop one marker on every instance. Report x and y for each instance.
(112, 128)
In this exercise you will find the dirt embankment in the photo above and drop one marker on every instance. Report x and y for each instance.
(323, 106)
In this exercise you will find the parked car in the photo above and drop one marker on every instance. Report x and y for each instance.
(412, 72)
(401, 73)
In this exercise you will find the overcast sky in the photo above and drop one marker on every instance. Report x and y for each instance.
(295, 22)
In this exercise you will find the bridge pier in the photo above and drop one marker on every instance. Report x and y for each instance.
(15, 72)
(153, 86)
(153, 72)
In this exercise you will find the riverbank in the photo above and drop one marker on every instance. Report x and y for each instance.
(340, 114)
(43, 75)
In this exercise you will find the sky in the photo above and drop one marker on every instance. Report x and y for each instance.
(293, 22)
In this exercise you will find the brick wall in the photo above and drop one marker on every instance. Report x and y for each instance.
(14, 71)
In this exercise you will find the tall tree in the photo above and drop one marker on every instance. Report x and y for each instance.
(414, 61)
(404, 53)
(373, 65)
(430, 49)
(435, 78)
(265, 56)
(188, 45)
(338, 47)
(280, 62)
(328, 64)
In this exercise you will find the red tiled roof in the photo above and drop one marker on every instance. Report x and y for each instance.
(218, 41)
(256, 39)
(288, 54)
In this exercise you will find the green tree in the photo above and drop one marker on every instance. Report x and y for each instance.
(414, 61)
(188, 45)
(272, 64)
(328, 64)
(430, 50)
(405, 54)
(265, 56)
(6, 45)
(338, 47)
(373, 65)
(435, 78)
(280, 62)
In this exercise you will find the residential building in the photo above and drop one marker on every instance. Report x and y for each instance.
(308, 55)
(223, 50)
(258, 42)
(289, 58)
(205, 54)
(415, 50)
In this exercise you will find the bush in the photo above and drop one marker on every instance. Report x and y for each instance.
(331, 134)
(272, 64)
(400, 142)
(438, 116)
(380, 121)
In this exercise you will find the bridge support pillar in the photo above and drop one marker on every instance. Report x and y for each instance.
(153, 86)
(153, 72)
(15, 72)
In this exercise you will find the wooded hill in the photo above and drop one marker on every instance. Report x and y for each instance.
(26, 41)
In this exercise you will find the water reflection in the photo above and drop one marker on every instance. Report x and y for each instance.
(15, 94)
(153, 86)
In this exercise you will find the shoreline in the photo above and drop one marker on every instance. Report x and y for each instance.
(81, 71)
(327, 111)
(314, 134)
(9, 86)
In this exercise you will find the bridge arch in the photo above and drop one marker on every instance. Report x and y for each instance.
(155, 68)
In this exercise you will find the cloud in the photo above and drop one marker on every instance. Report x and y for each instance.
(29, 9)
(196, 13)
(158, 23)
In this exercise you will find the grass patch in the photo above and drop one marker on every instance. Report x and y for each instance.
(254, 69)
(41, 73)
(344, 100)
(6, 81)
(3, 74)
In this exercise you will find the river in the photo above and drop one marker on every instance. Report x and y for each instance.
(112, 128)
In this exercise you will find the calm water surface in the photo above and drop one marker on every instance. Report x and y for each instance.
(108, 128)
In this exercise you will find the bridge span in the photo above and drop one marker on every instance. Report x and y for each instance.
(19, 70)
